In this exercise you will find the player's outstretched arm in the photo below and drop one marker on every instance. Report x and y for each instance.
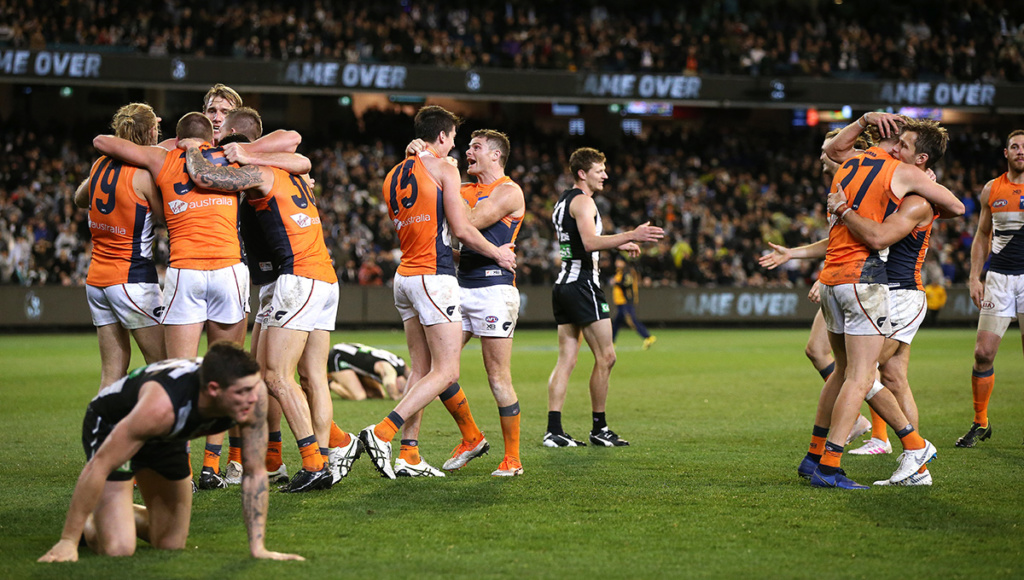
(147, 156)
(781, 254)
(153, 415)
(909, 179)
(584, 211)
(226, 178)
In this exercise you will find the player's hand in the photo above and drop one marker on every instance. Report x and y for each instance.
(888, 123)
(507, 259)
(415, 147)
(62, 551)
(977, 291)
(235, 153)
(268, 555)
(189, 143)
(779, 256)
(836, 199)
(815, 294)
(645, 232)
(631, 249)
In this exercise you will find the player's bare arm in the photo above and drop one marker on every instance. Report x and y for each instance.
(146, 187)
(981, 246)
(224, 178)
(82, 191)
(280, 141)
(584, 211)
(454, 210)
(506, 199)
(841, 147)
(146, 156)
(781, 254)
(914, 212)
(909, 179)
(244, 154)
(152, 416)
(388, 379)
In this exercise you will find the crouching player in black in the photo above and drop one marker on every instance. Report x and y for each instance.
(138, 427)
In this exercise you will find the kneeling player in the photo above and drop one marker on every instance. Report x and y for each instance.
(139, 427)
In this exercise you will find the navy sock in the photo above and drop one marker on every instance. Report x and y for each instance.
(555, 422)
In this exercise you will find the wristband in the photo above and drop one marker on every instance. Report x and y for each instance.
(848, 210)
(860, 123)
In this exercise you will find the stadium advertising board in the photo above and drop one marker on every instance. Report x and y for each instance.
(84, 67)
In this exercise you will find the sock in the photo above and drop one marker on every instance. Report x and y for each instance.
(825, 372)
(312, 461)
(818, 437)
(323, 453)
(555, 422)
(599, 422)
(410, 452)
(879, 429)
(981, 386)
(211, 457)
(509, 417)
(455, 401)
(830, 460)
(386, 429)
(339, 438)
(273, 461)
(235, 449)
(910, 438)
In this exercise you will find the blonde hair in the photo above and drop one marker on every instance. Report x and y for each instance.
(225, 92)
(134, 122)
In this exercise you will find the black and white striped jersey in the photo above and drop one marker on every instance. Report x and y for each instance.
(577, 263)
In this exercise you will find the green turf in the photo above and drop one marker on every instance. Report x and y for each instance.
(718, 422)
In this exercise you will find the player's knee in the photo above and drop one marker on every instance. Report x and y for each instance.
(117, 547)
(169, 543)
(984, 355)
(607, 359)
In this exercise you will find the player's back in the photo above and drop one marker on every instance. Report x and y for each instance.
(290, 223)
(1006, 201)
(121, 226)
(416, 205)
(202, 224)
(867, 180)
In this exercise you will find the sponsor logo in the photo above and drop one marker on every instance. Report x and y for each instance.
(304, 221)
(266, 267)
(491, 319)
(506, 325)
(177, 206)
(987, 305)
(565, 251)
(399, 224)
(1021, 202)
(604, 307)
(99, 226)
(490, 273)
(1000, 203)
(490, 327)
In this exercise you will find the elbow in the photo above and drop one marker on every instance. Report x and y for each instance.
(306, 165)
(291, 140)
(99, 142)
(875, 244)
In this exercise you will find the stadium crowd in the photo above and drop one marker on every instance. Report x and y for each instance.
(720, 193)
(928, 40)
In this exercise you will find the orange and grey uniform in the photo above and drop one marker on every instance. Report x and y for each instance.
(416, 205)
(121, 225)
(476, 270)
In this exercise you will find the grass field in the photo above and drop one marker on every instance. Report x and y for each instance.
(718, 420)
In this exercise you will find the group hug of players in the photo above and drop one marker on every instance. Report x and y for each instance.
(882, 204)
(239, 209)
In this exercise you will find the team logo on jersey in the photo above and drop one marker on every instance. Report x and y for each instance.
(177, 206)
(303, 220)
(280, 314)
(506, 326)
(1000, 203)
(450, 310)
(1021, 201)
(491, 319)
(880, 321)
(604, 307)
(158, 311)
(266, 266)
(490, 273)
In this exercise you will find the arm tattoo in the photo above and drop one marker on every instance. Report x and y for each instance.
(225, 178)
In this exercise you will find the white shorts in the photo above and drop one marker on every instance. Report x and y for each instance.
(137, 305)
(1004, 295)
(433, 298)
(490, 311)
(302, 304)
(856, 309)
(192, 296)
(266, 297)
(906, 311)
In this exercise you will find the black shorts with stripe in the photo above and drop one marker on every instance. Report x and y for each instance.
(169, 458)
(581, 303)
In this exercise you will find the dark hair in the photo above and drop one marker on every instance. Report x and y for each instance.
(195, 125)
(431, 120)
(244, 120)
(495, 140)
(233, 138)
(862, 143)
(932, 139)
(583, 159)
(226, 362)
